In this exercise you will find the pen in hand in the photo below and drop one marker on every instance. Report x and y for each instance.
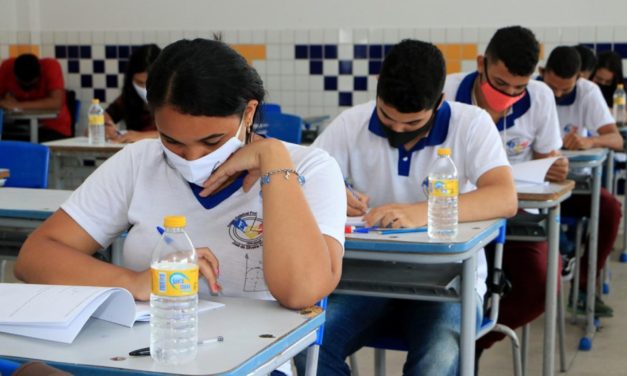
(145, 351)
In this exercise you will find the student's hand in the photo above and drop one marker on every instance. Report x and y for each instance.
(357, 203)
(141, 285)
(111, 131)
(574, 141)
(398, 215)
(266, 154)
(558, 170)
(9, 103)
(209, 268)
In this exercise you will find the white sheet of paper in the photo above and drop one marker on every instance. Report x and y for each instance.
(143, 309)
(355, 221)
(532, 172)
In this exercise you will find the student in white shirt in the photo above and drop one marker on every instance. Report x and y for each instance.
(585, 123)
(279, 239)
(386, 147)
(523, 111)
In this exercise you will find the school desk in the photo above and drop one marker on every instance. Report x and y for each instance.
(412, 266)
(258, 335)
(33, 117)
(79, 149)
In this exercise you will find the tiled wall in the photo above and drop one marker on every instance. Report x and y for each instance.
(308, 72)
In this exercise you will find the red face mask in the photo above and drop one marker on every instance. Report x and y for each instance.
(497, 100)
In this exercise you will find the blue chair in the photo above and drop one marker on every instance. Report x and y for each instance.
(285, 127)
(27, 163)
(7, 367)
(270, 107)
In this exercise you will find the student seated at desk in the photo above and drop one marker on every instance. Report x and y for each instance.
(132, 105)
(588, 61)
(608, 74)
(524, 113)
(387, 147)
(30, 83)
(262, 232)
(586, 123)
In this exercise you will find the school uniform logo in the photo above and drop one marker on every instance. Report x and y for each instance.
(516, 146)
(246, 230)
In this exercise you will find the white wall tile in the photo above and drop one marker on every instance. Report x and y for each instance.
(73, 37)
(273, 36)
(137, 37)
(150, 36)
(259, 36)
(605, 34)
(345, 36)
(73, 80)
(299, 37)
(330, 98)
(97, 51)
(47, 37)
(287, 67)
(98, 37)
(315, 100)
(11, 37)
(174, 36)
(47, 50)
(112, 94)
(345, 51)
(288, 83)
(287, 99)
(111, 66)
(438, 35)
(620, 34)
(486, 33)
(190, 34)
(244, 36)
(288, 36)
(390, 36)
(4, 51)
(570, 35)
(422, 34)
(287, 52)
(99, 81)
(124, 37)
(470, 35)
(273, 52)
(316, 36)
(330, 67)
(273, 67)
(552, 35)
(302, 99)
(469, 65)
(84, 37)
(345, 83)
(405, 33)
(361, 97)
(86, 66)
(539, 33)
(331, 36)
(163, 38)
(361, 36)
(372, 83)
(273, 84)
(111, 37)
(23, 37)
(301, 82)
(360, 67)
(454, 35)
(301, 67)
(587, 34)
(316, 83)
(260, 66)
(375, 36)
(229, 36)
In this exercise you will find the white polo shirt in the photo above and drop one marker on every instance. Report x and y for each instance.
(584, 108)
(393, 175)
(531, 124)
(136, 188)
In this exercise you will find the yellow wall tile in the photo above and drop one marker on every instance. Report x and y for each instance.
(469, 52)
(251, 51)
(453, 51)
(541, 51)
(16, 50)
(453, 66)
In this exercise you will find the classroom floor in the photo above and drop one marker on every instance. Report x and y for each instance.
(607, 357)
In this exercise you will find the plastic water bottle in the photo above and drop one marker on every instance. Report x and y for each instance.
(443, 195)
(174, 298)
(619, 111)
(96, 123)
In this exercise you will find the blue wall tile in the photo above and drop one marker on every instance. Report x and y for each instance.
(374, 67)
(99, 66)
(86, 80)
(100, 94)
(621, 49)
(386, 49)
(375, 51)
(330, 83)
(315, 51)
(301, 51)
(122, 64)
(345, 99)
(111, 52)
(330, 51)
(315, 67)
(360, 51)
(85, 52)
(112, 80)
(360, 83)
(60, 52)
(345, 66)
(73, 66)
(124, 52)
(601, 47)
(72, 52)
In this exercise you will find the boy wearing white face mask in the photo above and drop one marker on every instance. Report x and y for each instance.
(524, 113)
(132, 105)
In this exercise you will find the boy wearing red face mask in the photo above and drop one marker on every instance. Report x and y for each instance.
(524, 112)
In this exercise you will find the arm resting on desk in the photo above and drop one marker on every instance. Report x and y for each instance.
(59, 252)
(53, 102)
(609, 137)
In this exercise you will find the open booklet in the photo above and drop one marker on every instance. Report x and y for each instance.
(532, 172)
(58, 313)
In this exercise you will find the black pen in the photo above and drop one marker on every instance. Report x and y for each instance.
(145, 351)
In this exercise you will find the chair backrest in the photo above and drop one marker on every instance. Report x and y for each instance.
(74, 106)
(285, 127)
(27, 164)
(1, 121)
(270, 107)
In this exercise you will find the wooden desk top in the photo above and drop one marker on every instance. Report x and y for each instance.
(550, 192)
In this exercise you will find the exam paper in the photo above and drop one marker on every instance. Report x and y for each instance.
(532, 172)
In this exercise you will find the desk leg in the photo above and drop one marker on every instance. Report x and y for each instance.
(56, 170)
(469, 317)
(34, 131)
(551, 292)
(312, 360)
(586, 342)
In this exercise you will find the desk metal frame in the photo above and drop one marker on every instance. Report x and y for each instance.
(33, 116)
(418, 249)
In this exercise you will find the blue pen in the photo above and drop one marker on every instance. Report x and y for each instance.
(350, 188)
(161, 230)
(403, 230)
(365, 230)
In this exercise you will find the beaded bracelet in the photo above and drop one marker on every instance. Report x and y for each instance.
(265, 179)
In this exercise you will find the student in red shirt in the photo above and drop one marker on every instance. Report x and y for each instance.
(30, 83)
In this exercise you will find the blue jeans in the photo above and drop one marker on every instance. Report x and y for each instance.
(430, 330)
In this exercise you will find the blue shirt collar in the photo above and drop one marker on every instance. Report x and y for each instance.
(464, 95)
(217, 198)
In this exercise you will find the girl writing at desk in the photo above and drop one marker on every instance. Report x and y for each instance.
(263, 232)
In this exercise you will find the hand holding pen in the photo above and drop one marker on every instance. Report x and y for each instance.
(357, 201)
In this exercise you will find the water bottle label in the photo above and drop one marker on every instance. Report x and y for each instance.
(96, 119)
(174, 282)
(619, 101)
(443, 188)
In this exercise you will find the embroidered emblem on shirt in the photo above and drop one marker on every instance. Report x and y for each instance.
(516, 146)
(246, 230)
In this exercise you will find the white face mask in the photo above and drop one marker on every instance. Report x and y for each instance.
(142, 92)
(199, 170)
